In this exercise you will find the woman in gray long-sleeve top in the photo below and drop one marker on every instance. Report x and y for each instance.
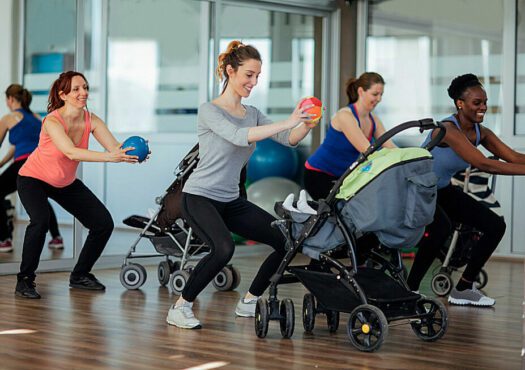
(228, 131)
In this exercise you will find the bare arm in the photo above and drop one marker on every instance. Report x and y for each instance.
(464, 148)
(380, 130)
(4, 127)
(497, 147)
(56, 132)
(9, 155)
(345, 122)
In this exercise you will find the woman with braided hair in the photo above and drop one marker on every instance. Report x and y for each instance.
(228, 131)
(456, 152)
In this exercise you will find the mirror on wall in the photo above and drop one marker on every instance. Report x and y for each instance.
(47, 51)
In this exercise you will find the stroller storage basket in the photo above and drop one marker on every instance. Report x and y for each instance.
(380, 289)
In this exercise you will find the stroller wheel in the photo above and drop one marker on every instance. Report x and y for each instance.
(441, 284)
(133, 276)
(332, 320)
(178, 281)
(481, 279)
(163, 272)
(261, 317)
(434, 321)
(236, 277)
(224, 280)
(367, 328)
(308, 312)
(287, 318)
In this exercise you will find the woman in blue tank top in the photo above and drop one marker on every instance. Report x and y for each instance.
(352, 129)
(456, 152)
(23, 127)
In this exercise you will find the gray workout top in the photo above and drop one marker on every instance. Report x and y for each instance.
(224, 150)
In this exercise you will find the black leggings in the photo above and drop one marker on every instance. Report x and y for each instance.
(213, 222)
(453, 205)
(318, 184)
(78, 200)
(8, 186)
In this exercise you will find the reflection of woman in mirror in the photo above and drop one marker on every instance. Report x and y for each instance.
(23, 127)
(50, 172)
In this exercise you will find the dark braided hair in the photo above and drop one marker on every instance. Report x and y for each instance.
(460, 84)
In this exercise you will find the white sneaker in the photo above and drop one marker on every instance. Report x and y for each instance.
(470, 297)
(182, 316)
(246, 308)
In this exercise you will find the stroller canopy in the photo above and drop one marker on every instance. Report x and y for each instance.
(392, 194)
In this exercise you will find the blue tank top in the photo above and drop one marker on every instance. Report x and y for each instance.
(336, 153)
(25, 134)
(446, 162)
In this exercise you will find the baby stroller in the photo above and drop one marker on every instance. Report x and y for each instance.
(455, 253)
(172, 237)
(391, 193)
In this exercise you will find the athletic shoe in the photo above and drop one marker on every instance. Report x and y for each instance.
(246, 308)
(56, 243)
(182, 316)
(25, 288)
(470, 297)
(6, 246)
(87, 281)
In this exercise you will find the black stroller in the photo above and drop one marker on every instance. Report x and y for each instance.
(173, 238)
(455, 253)
(390, 193)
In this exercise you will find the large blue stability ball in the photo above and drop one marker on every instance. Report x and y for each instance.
(271, 159)
(266, 192)
(140, 144)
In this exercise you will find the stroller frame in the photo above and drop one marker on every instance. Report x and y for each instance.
(368, 324)
(442, 281)
(177, 241)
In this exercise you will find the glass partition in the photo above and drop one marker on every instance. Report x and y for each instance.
(420, 49)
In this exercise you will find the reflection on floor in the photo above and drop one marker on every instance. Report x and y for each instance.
(119, 244)
(126, 329)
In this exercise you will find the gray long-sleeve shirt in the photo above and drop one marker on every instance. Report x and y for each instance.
(224, 150)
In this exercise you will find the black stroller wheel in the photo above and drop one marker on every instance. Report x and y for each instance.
(163, 272)
(481, 280)
(441, 284)
(178, 281)
(287, 318)
(133, 276)
(261, 317)
(224, 280)
(367, 328)
(332, 320)
(308, 312)
(434, 324)
(236, 277)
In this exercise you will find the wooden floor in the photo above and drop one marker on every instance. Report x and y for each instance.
(120, 329)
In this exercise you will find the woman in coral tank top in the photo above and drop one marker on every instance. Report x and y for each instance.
(50, 172)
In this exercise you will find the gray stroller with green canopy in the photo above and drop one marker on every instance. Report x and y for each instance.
(390, 193)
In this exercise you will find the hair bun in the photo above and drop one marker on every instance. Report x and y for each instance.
(460, 84)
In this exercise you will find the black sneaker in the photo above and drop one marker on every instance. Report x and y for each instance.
(88, 282)
(25, 288)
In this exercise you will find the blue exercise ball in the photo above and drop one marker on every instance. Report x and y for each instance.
(140, 144)
(266, 192)
(271, 159)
